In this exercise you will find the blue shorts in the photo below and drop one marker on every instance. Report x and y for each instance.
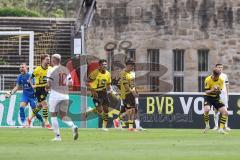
(31, 100)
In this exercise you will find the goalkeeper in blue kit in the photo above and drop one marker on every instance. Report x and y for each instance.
(28, 95)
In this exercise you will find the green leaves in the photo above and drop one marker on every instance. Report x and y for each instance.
(38, 8)
(17, 12)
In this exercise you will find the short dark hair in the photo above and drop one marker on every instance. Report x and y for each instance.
(101, 61)
(130, 62)
(218, 64)
(216, 72)
(43, 56)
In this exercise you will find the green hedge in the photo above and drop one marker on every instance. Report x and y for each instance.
(17, 12)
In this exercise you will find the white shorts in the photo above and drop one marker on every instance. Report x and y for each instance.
(224, 99)
(56, 105)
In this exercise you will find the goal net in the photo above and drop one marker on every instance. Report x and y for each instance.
(16, 47)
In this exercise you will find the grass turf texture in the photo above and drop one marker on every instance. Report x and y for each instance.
(94, 144)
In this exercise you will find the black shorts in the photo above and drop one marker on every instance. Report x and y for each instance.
(102, 99)
(212, 101)
(122, 108)
(41, 94)
(129, 101)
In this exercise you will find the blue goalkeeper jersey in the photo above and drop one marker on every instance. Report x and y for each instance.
(23, 81)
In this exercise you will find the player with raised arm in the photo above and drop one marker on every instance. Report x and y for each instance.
(58, 82)
(213, 87)
(28, 95)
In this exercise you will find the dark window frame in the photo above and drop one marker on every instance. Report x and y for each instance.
(178, 83)
(154, 83)
(178, 65)
(153, 59)
(178, 70)
(203, 63)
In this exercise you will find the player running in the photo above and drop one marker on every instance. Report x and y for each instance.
(99, 81)
(213, 87)
(58, 82)
(28, 95)
(223, 96)
(40, 76)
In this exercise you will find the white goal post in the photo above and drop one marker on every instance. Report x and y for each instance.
(31, 44)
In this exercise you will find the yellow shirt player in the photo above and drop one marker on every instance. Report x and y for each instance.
(216, 85)
(40, 76)
(213, 86)
(126, 83)
(128, 92)
(98, 82)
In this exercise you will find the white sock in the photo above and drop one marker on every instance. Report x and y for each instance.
(226, 124)
(137, 123)
(68, 121)
(55, 126)
(136, 101)
(216, 118)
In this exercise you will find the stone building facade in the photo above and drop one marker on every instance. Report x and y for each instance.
(186, 37)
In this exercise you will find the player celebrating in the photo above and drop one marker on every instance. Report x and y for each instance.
(128, 92)
(98, 82)
(223, 96)
(28, 96)
(213, 86)
(40, 75)
(58, 81)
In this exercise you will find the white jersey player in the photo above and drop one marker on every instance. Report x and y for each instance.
(59, 80)
(223, 96)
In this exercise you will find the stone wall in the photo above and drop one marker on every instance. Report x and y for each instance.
(168, 25)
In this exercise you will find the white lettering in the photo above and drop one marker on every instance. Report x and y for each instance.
(198, 110)
(185, 106)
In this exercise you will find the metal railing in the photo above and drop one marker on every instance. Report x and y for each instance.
(7, 81)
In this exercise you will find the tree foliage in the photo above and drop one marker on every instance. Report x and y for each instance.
(18, 12)
(46, 8)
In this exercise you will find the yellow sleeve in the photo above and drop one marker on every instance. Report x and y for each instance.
(109, 79)
(207, 84)
(93, 75)
(35, 72)
(125, 81)
(124, 78)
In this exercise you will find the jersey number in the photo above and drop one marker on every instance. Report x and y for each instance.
(62, 79)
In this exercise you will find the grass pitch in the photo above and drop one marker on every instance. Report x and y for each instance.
(94, 144)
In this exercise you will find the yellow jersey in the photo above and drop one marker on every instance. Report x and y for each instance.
(127, 82)
(40, 75)
(99, 81)
(210, 84)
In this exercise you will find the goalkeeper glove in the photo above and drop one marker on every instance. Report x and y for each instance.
(8, 94)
